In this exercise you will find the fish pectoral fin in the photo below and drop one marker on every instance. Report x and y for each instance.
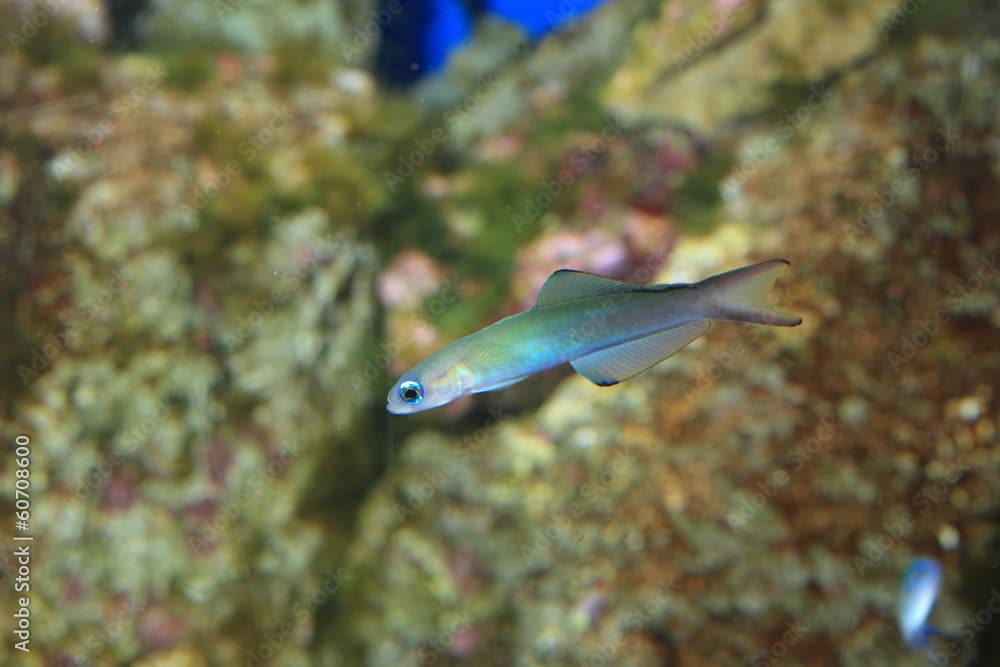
(567, 285)
(621, 362)
(498, 385)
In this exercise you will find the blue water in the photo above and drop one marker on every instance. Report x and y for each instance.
(423, 34)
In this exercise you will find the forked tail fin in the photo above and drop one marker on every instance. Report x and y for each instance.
(741, 295)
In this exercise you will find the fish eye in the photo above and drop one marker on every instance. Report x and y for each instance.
(411, 392)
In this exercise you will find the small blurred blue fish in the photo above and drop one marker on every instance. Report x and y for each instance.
(917, 594)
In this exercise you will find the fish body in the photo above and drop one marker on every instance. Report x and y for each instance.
(918, 592)
(607, 329)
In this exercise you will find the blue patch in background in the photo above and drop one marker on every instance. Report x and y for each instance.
(539, 18)
(421, 35)
(449, 28)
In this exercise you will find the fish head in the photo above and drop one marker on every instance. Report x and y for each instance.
(427, 386)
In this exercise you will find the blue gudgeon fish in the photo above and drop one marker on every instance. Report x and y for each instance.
(606, 329)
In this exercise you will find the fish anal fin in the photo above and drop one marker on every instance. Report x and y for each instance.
(567, 285)
(611, 366)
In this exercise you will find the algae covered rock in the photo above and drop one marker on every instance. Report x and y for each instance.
(347, 30)
(186, 387)
(196, 236)
(709, 65)
(756, 498)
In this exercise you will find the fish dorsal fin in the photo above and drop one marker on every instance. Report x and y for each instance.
(621, 362)
(567, 285)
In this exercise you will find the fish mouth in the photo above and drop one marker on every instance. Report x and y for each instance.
(402, 409)
(397, 407)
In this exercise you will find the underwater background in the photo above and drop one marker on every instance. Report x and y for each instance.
(227, 226)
